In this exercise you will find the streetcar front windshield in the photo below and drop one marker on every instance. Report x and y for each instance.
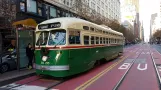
(57, 37)
(43, 38)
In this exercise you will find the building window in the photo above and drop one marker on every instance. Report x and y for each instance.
(59, 13)
(31, 6)
(98, 9)
(67, 15)
(74, 37)
(40, 11)
(40, 8)
(102, 4)
(64, 1)
(52, 12)
(102, 13)
(92, 39)
(98, 2)
(86, 40)
(22, 6)
(92, 5)
(71, 2)
(68, 3)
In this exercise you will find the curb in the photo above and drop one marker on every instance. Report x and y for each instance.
(8, 81)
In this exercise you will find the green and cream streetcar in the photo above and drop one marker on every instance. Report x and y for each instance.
(68, 46)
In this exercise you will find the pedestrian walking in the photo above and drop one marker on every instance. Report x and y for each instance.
(30, 55)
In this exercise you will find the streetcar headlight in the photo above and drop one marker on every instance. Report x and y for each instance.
(44, 58)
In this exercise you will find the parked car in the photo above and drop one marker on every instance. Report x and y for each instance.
(8, 62)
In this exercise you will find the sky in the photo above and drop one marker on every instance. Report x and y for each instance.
(147, 7)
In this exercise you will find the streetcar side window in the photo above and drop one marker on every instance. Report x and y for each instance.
(111, 41)
(92, 39)
(85, 27)
(101, 40)
(97, 40)
(92, 29)
(74, 37)
(86, 40)
(106, 40)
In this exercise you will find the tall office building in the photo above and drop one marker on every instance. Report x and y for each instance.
(130, 12)
(133, 2)
(153, 24)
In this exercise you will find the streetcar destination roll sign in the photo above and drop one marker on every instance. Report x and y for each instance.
(50, 25)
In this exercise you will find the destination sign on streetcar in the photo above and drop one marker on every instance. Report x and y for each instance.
(50, 25)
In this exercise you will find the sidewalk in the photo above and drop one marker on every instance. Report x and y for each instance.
(15, 75)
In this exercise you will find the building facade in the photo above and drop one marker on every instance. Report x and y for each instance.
(107, 8)
(153, 24)
(40, 10)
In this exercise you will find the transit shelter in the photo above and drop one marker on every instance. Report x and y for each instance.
(24, 34)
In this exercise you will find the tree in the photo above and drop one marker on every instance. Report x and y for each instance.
(7, 13)
(82, 9)
(157, 36)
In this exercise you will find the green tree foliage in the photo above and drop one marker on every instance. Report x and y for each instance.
(157, 33)
(128, 34)
(157, 36)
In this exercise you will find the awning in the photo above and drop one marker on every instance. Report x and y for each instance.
(27, 22)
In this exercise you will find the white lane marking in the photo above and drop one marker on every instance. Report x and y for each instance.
(24, 87)
(142, 68)
(10, 85)
(124, 66)
(29, 87)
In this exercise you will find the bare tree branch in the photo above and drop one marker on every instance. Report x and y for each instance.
(7, 13)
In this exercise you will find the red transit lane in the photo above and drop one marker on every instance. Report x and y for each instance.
(40, 84)
(142, 75)
(157, 61)
(75, 82)
(21, 82)
(132, 71)
(112, 78)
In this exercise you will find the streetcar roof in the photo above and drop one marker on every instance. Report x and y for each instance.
(67, 21)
